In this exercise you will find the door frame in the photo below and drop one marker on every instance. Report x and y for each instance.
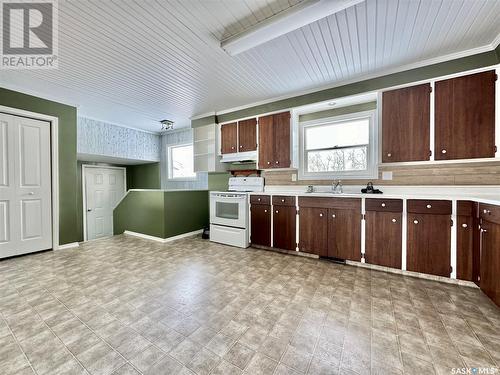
(54, 164)
(84, 192)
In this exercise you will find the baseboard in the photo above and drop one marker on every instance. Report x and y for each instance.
(413, 274)
(163, 240)
(67, 246)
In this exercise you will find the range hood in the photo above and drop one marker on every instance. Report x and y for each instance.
(239, 156)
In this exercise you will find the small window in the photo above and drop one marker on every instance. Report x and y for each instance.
(180, 165)
(340, 147)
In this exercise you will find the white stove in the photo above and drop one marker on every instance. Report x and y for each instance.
(229, 211)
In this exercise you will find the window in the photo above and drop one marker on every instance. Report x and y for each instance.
(180, 162)
(339, 147)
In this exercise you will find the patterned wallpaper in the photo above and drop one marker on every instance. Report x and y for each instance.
(101, 138)
(174, 138)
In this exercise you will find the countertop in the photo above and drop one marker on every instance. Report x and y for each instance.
(449, 195)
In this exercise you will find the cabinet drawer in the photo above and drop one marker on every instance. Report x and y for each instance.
(384, 205)
(489, 212)
(429, 206)
(260, 199)
(282, 200)
(325, 202)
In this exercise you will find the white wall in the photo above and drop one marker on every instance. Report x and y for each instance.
(101, 138)
(173, 138)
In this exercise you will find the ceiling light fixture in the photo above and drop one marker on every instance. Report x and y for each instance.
(166, 125)
(293, 18)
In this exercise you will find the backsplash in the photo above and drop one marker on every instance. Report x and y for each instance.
(474, 173)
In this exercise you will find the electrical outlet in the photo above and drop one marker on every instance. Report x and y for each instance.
(387, 175)
(294, 177)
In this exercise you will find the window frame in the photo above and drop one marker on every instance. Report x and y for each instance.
(372, 148)
(170, 163)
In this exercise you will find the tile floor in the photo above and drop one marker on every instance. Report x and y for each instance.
(130, 306)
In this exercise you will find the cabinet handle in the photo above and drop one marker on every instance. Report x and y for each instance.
(268, 162)
(258, 199)
(241, 146)
(389, 155)
(232, 147)
(443, 151)
(320, 215)
(464, 225)
(415, 221)
(276, 211)
(429, 206)
(265, 211)
(394, 220)
(277, 162)
(487, 212)
(383, 204)
(283, 200)
(333, 215)
(483, 230)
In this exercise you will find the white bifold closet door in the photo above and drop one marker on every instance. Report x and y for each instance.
(25, 186)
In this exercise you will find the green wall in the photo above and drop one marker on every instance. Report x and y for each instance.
(143, 176)
(338, 111)
(68, 226)
(162, 214)
(427, 72)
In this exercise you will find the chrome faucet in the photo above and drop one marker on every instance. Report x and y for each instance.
(337, 187)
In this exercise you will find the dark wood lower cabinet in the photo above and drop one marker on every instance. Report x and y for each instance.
(428, 244)
(284, 221)
(344, 234)
(465, 247)
(313, 230)
(260, 224)
(383, 242)
(490, 260)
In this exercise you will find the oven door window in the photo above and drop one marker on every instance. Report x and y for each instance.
(227, 210)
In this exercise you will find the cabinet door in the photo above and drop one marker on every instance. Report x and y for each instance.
(465, 117)
(313, 230)
(465, 236)
(247, 135)
(281, 136)
(260, 225)
(266, 142)
(490, 260)
(284, 218)
(229, 138)
(406, 124)
(428, 244)
(383, 238)
(344, 234)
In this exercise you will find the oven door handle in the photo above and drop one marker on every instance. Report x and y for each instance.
(224, 197)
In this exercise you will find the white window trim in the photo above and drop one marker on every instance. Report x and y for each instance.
(169, 164)
(372, 154)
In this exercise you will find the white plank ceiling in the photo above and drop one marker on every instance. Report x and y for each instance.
(137, 62)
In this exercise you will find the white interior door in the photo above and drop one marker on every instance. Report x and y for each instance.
(25, 186)
(104, 187)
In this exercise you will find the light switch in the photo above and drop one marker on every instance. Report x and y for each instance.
(294, 177)
(387, 175)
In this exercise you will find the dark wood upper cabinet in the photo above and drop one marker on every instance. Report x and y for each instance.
(274, 141)
(406, 124)
(313, 230)
(429, 237)
(344, 234)
(284, 221)
(229, 138)
(383, 242)
(260, 224)
(465, 117)
(247, 135)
